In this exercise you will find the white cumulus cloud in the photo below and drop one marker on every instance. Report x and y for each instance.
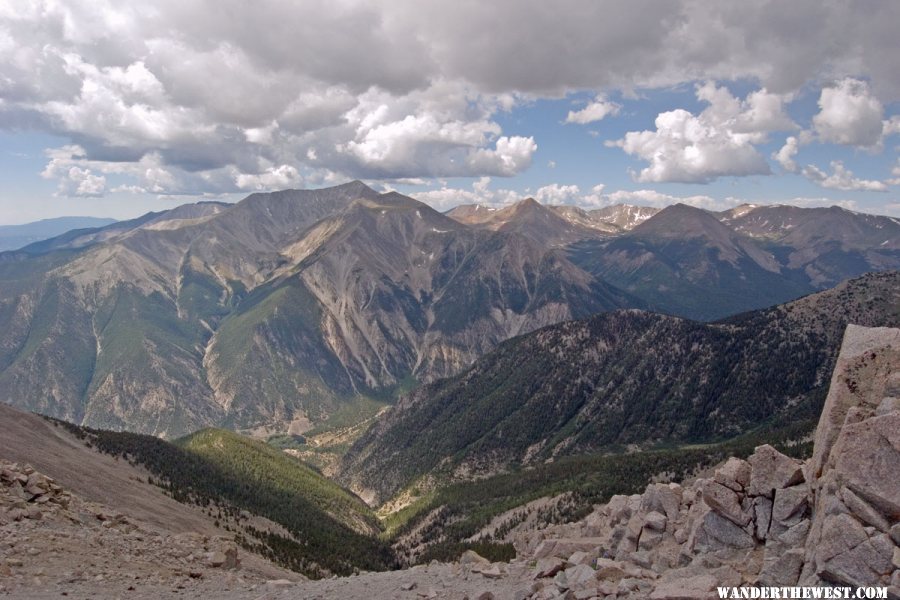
(597, 110)
(842, 178)
(785, 156)
(850, 115)
(720, 141)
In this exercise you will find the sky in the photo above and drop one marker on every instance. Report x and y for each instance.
(119, 108)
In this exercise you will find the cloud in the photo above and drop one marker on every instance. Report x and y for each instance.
(557, 194)
(597, 110)
(480, 192)
(207, 94)
(842, 179)
(849, 115)
(785, 156)
(718, 142)
(274, 178)
(510, 156)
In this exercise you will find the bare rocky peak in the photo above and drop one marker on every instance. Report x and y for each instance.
(625, 217)
(796, 226)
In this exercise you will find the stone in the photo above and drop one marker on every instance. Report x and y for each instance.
(662, 498)
(781, 568)
(618, 508)
(868, 462)
(887, 405)
(863, 511)
(895, 533)
(408, 586)
(715, 532)
(484, 595)
(844, 554)
(734, 474)
(650, 539)
(762, 516)
(566, 547)
(792, 536)
(548, 567)
(771, 470)
(609, 570)
(725, 502)
(279, 583)
(655, 521)
(470, 557)
(698, 587)
(492, 572)
(848, 389)
(215, 559)
(579, 575)
(581, 558)
(789, 507)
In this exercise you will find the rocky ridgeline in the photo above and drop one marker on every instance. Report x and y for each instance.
(767, 520)
(53, 541)
(28, 494)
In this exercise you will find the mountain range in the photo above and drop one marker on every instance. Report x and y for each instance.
(620, 380)
(13, 237)
(293, 309)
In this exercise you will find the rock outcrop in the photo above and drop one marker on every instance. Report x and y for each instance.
(770, 520)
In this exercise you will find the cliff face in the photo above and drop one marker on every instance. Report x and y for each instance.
(769, 520)
(855, 468)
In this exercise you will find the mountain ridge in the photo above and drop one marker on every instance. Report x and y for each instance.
(616, 379)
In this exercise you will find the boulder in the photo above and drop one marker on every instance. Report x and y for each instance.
(548, 567)
(655, 521)
(863, 511)
(734, 474)
(846, 555)
(725, 502)
(858, 380)
(781, 568)
(868, 462)
(470, 557)
(771, 470)
(662, 498)
(789, 507)
(715, 532)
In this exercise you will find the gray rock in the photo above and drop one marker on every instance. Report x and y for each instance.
(734, 474)
(847, 390)
(725, 502)
(844, 554)
(662, 498)
(793, 536)
(887, 405)
(582, 558)
(789, 507)
(863, 511)
(548, 567)
(715, 532)
(762, 516)
(781, 568)
(771, 470)
(868, 462)
(578, 575)
(650, 539)
(470, 557)
(655, 521)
